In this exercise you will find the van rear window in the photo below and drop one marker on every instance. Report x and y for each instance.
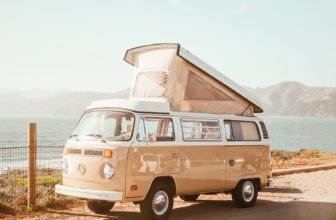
(201, 130)
(241, 131)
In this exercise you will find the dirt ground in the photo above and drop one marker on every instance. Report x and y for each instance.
(297, 196)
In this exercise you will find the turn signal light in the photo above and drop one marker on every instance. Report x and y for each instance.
(108, 153)
(65, 151)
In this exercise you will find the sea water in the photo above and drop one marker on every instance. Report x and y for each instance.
(52, 133)
(294, 133)
(49, 128)
(286, 133)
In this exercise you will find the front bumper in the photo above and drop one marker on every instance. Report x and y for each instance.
(88, 193)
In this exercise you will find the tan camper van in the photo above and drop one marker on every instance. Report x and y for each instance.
(186, 130)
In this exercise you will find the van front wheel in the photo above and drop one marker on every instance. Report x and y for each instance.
(245, 194)
(99, 206)
(158, 203)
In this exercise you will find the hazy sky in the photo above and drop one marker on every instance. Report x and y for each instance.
(79, 44)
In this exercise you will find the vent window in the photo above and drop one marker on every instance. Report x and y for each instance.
(264, 130)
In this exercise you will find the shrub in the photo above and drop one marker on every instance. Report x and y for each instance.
(53, 201)
(41, 180)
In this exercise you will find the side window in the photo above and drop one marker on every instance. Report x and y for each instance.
(156, 129)
(241, 131)
(201, 130)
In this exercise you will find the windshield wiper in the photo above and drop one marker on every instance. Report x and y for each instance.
(94, 135)
(98, 137)
(73, 135)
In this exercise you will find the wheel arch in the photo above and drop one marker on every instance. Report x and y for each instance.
(257, 179)
(164, 179)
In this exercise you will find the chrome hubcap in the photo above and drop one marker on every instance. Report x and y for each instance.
(160, 203)
(248, 191)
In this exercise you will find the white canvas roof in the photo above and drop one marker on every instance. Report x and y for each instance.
(133, 105)
(131, 54)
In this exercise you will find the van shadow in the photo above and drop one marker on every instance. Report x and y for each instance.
(225, 209)
(264, 209)
(282, 190)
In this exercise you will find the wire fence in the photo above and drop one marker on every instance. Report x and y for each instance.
(14, 170)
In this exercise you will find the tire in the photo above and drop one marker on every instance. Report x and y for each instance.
(189, 198)
(99, 206)
(245, 194)
(163, 195)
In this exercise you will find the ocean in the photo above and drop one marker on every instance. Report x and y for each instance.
(286, 133)
(294, 133)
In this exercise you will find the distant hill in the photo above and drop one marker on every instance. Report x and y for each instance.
(56, 103)
(286, 98)
(293, 98)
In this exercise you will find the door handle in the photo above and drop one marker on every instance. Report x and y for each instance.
(236, 161)
(174, 155)
(231, 162)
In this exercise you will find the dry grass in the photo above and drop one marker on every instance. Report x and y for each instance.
(304, 157)
(56, 202)
(6, 209)
(14, 191)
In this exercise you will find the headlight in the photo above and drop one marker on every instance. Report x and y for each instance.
(65, 167)
(108, 171)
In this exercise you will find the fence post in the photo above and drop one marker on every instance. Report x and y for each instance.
(32, 140)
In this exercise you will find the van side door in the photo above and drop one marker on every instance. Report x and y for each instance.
(154, 153)
(202, 157)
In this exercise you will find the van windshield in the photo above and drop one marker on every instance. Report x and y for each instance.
(105, 125)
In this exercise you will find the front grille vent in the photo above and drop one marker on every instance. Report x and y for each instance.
(74, 151)
(93, 152)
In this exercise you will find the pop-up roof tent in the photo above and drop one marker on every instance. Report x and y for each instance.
(169, 72)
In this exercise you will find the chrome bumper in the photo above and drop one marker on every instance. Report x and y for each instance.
(88, 193)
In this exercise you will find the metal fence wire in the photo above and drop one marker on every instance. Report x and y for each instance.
(14, 170)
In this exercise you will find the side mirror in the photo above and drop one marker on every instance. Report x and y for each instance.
(152, 138)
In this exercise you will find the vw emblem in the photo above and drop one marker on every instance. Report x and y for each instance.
(81, 168)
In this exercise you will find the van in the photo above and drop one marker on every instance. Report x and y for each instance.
(140, 151)
(186, 129)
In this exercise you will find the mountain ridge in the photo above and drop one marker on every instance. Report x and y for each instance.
(288, 98)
